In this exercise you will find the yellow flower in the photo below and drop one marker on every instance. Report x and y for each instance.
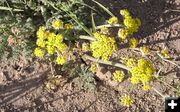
(165, 53)
(61, 60)
(51, 38)
(94, 67)
(134, 42)
(57, 24)
(135, 80)
(41, 43)
(127, 101)
(50, 49)
(146, 87)
(123, 33)
(131, 62)
(68, 26)
(124, 12)
(59, 38)
(41, 33)
(103, 47)
(85, 47)
(143, 72)
(145, 50)
(104, 30)
(132, 24)
(118, 75)
(38, 52)
(61, 47)
(113, 20)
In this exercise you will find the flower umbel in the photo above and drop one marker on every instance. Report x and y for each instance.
(57, 24)
(118, 76)
(38, 52)
(126, 101)
(113, 20)
(103, 47)
(94, 67)
(143, 72)
(61, 60)
(68, 26)
(134, 42)
(123, 33)
(131, 24)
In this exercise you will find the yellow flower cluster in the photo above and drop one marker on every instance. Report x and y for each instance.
(38, 52)
(126, 101)
(134, 42)
(118, 76)
(50, 42)
(57, 24)
(165, 53)
(130, 62)
(94, 67)
(68, 26)
(131, 24)
(142, 73)
(103, 47)
(113, 20)
(145, 50)
(61, 60)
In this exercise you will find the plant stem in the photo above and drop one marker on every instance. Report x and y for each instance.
(10, 9)
(86, 37)
(104, 8)
(159, 92)
(109, 26)
(106, 62)
(168, 60)
(73, 16)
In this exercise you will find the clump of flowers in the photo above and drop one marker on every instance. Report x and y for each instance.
(130, 62)
(134, 42)
(145, 50)
(127, 100)
(118, 76)
(61, 60)
(39, 52)
(94, 67)
(131, 24)
(68, 26)
(113, 20)
(142, 73)
(104, 30)
(57, 24)
(51, 43)
(165, 53)
(103, 47)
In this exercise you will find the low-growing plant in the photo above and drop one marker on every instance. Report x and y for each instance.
(66, 35)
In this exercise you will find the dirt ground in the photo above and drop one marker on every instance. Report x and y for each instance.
(22, 82)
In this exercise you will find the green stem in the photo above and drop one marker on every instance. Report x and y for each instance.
(10, 9)
(86, 37)
(106, 62)
(72, 16)
(104, 8)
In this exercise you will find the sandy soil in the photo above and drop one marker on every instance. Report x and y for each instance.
(22, 82)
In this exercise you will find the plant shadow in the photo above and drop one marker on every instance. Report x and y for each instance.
(16, 90)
